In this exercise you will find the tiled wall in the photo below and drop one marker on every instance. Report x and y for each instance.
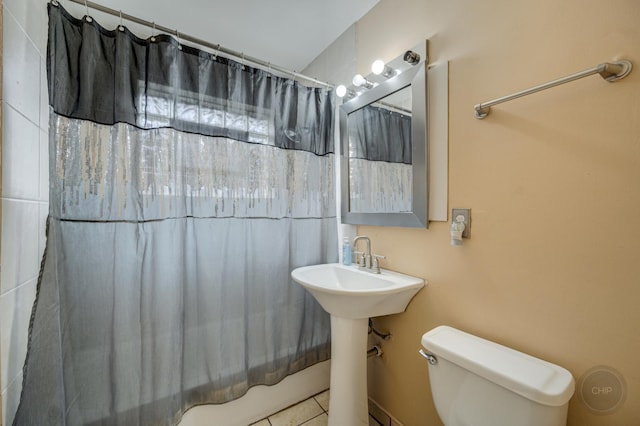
(24, 183)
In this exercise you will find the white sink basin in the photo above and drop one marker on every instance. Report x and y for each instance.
(347, 292)
(351, 296)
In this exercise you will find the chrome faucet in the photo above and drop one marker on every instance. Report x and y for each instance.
(365, 260)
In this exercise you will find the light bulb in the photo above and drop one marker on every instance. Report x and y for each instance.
(358, 80)
(341, 91)
(377, 67)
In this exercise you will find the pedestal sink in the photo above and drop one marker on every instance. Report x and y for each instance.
(352, 296)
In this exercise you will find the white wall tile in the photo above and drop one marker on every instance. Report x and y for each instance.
(20, 152)
(10, 400)
(32, 17)
(43, 180)
(15, 313)
(44, 97)
(25, 155)
(21, 72)
(43, 212)
(20, 243)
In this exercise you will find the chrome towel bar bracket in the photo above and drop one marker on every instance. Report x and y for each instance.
(431, 358)
(610, 71)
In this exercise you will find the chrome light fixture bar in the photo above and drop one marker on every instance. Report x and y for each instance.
(382, 71)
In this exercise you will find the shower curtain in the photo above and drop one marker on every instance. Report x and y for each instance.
(184, 188)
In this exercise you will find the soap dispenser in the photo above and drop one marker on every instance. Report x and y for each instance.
(346, 252)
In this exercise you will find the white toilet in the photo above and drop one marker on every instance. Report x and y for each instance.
(475, 382)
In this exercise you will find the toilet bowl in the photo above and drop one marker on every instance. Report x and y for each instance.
(475, 382)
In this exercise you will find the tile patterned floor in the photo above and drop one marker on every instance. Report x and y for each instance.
(311, 412)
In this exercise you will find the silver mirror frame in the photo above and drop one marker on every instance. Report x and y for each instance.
(416, 77)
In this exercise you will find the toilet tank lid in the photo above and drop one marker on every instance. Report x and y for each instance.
(530, 377)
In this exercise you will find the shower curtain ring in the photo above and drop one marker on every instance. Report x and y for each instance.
(88, 17)
(178, 37)
(121, 27)
(214, 56)
(55, 3)
(153, 32)
(242, 61)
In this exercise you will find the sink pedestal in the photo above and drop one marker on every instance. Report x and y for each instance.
(352, 296)
(348, 403)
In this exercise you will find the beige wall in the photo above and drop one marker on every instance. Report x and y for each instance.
(553, 181)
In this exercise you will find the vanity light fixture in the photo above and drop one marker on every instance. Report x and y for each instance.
(378, 67)
(360, 81)
(411, 57)
(342, 91)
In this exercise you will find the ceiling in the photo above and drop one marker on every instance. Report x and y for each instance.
(287, 33)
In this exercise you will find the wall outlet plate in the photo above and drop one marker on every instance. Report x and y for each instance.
(467, 220)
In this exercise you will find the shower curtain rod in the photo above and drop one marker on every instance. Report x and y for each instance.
(610, 71)
(215, 47)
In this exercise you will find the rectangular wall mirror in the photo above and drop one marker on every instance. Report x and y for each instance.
(384, 153)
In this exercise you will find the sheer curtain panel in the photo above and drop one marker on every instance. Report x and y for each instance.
(184, 188)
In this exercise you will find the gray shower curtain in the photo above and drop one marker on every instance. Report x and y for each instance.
(184, 188)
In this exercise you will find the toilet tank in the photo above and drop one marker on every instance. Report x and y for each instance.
(476, 382)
